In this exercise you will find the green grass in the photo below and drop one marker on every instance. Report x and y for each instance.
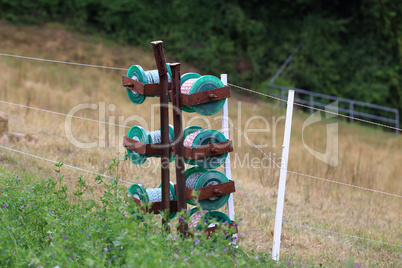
(42, 227)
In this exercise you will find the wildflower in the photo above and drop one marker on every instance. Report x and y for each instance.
(4, 206)
(206, 255)
(50, 237)
(289, 263)
(216, 254)
(176, 255)
(256, 257)
(357, 265)
(234, 254)
(54, 255)
(52, 211)
(19, 179)
(225, 222)
(224, 249)
(8, 226)
(106, 249)
(197, 241)
(64, 237)
(181, 219)
(234, 224)
(87, 235)
(22, 207)
(40, 266)
(174, 237)
(20, 228)
(110, 262)
(185, 258)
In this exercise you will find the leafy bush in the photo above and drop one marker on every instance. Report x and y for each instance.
(45, 224)
(350, 49)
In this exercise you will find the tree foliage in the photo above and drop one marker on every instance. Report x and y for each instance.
(350, 49)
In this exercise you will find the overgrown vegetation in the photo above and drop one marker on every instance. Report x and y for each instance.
(348, 48)
(42, 227)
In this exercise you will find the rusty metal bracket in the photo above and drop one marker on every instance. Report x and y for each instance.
(143, 89)
(142, 148)
(208, 150)
(211, 191)
(205, 96)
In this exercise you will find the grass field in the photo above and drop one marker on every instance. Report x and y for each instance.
(368, 157)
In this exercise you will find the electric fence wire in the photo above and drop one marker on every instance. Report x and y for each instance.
(243, 88)
(67, 165)
(65, 62)
(67, 115)
(318, 109)
(311, 176)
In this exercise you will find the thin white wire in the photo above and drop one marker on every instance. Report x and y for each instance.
(69, 115)
(67, 165)
(65, 62)
(313, 228)
(318, 109)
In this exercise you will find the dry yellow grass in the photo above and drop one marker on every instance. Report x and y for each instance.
(367, 157)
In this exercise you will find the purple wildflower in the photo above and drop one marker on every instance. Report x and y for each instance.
(196, 242)
(224, 249)
(357, 265)
(54, 255)
(234, 224)
(4, 206)
(289, 263)
(181, 219)
(110, 262)
(106, 249)
(256, 257)
(19, 178)
(22, 207)
(176, 255)
(185, 258)
(64, 237)
(216, 254)
(225, 222)
(50, 237)
(87, 235)
(20, 228)
(52, 211)
(206, 255)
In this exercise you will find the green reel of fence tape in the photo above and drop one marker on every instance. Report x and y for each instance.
(187, 131)
(146, 77)
(139, 134)
(209, 218)
(192, 174)
(137, 73)
(184, 78)
(211, 178)
(204, 83)
(205, 137)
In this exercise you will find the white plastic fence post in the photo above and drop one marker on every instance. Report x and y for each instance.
(225, 129)
(282, 178)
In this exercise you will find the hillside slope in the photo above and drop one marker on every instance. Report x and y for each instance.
(368, 157)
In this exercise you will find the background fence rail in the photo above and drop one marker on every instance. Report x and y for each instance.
(310, 98)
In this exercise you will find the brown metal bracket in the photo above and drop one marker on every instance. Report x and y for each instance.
(205, 96)
(211, 191)
(155, 207)
(143, 89)
(189, 153)
(142, 148)
(208, 150)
